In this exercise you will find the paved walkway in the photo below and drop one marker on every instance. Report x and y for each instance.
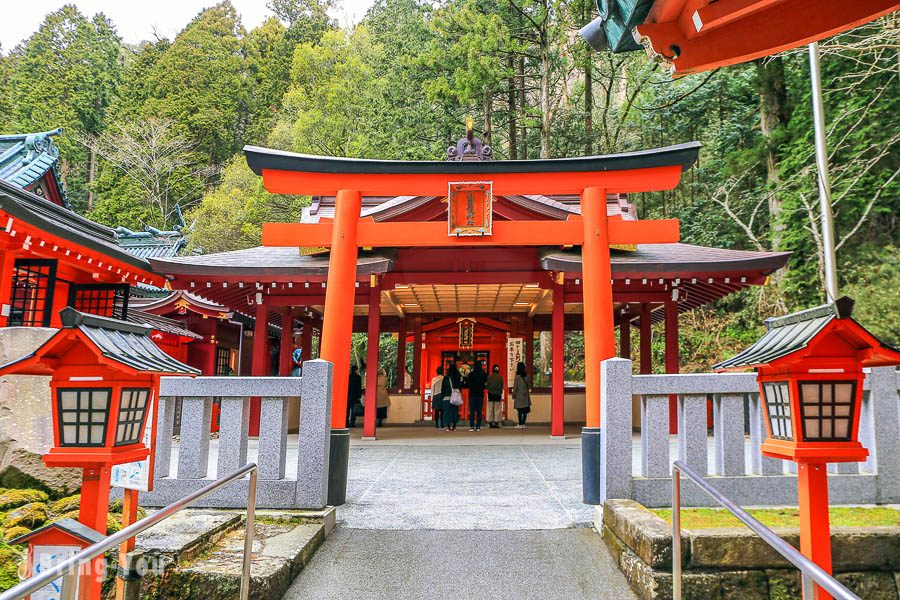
(356, 564)
(433, 515)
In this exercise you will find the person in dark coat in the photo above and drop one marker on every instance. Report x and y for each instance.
(452, 382)
(437, 397)
(521, 395)
(495, 397)
(476, 380)
(354, 391)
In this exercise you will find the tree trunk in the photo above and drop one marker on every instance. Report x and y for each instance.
(511, 107)
(486, 107)
(92, 167)
(588, 107)
(545, 96)
(520, 76)
(773, 116)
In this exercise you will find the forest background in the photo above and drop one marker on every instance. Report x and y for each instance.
(159, 125)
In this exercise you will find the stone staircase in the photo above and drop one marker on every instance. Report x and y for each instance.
(198, 553)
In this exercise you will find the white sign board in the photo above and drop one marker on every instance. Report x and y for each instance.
(45, 558)
(515, 353)
(136, 475)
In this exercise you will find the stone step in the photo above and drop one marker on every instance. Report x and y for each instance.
(200, 554)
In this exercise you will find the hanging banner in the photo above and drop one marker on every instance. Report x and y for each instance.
(466, 334)
(469, 208)
(515, 353)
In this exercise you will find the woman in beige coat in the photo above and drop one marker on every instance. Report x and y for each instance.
(382, 398)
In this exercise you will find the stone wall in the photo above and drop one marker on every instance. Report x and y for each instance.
(726, 564)
(26, 423)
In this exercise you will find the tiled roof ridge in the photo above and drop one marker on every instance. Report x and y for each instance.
(841, 308)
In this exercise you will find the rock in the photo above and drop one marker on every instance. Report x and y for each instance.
(733, 548)
(865, 548)
(14, 498)
(14, 532)
(784, 584)
(67, 504)
(646, 534)
(871, 585)
(31, 515)
(26, 427)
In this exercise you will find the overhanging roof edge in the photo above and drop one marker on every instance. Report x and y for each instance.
(683, 155)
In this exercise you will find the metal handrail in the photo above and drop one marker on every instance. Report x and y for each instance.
(69, 569)
(811, 572)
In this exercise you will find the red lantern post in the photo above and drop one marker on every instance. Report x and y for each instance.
(104, 376)
(810, 372)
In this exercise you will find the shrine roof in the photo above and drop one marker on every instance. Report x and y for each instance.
(64, 223)
(683, 155)
(159, 323)
(654, 258)
(266, 261)
(156, 303)
(27, 157)
(152, 242)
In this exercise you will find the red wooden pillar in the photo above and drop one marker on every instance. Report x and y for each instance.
(260, 367)
(672, 359)
(644, 342)
(287, 342)
(337, 325)
(374, 335)
(558, 363)
(6, 280)
(417, 356)
(625, 336)
(599, 331)
(815, 528)
(401, 355)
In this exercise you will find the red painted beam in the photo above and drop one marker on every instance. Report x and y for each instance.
(436, 184)
(505, 233)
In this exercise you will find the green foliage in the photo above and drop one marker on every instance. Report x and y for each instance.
(13, 498)
(10, 557)
(231, 216)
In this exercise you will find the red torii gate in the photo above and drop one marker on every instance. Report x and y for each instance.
(350, 179)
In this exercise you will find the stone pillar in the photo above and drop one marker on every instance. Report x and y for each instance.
(885, 409)
(234, 416)
(615, 434)
(313, 463)
(372, 366)
(337, 331)
(672, 358)
(193, 449)
(558, 362)
(273, 418)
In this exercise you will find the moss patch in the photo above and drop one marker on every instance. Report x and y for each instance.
(846, 516)
(14, 498)
(10, 557)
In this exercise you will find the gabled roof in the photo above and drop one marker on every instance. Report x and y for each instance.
(159, 323)
(64, 223)
(177, 299)
(125, 343)
(794, 332)
(69, 526)
(266, 261)
(26, 157)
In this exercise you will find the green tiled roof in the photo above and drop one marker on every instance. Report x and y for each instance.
(26, 157)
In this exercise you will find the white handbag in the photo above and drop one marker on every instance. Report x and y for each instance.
(456, 398)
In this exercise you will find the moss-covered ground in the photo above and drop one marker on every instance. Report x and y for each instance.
(849, 516)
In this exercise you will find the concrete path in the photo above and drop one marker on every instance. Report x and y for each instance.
(431, 565)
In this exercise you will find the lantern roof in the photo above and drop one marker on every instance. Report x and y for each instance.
(127, 344)
(793, 333)
(70, 527)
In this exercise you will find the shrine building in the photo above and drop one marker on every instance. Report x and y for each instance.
(458, 257)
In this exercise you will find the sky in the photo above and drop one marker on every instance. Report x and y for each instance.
(137, 20)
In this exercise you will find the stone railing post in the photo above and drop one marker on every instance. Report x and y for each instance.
(193, 449)
(886, 430)
(315, 434)
(165, 423)
(273, 422)
(234, 429)
(615, 429)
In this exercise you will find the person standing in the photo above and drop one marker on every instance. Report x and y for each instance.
(476, 380)
(382, 398)
(495, 397)
(450, 391)
(521, 395)
(437, 398)
(354, 391)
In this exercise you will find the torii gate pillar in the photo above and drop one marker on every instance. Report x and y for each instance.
(337, 331)
(599, 331)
